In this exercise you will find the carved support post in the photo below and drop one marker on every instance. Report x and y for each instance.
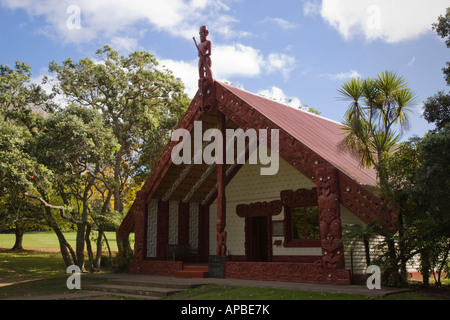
(163, 230)
(203, 232)
(330, 222)
(221, 248)
(140, 226)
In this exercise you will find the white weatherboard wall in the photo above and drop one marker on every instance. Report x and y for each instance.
(248, 186)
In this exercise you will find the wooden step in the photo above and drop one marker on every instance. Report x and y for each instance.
(193, 271)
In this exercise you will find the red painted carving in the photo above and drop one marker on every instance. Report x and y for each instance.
(204, 53)
(330, 222)
(299, 198)
(206, 81)
(364, 203)
(221, 234)
(275, 271)
(259, 209)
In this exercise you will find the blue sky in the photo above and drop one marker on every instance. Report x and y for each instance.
(292, 50)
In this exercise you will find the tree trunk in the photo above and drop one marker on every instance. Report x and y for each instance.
(425, 266)
(125, 254)
(65, 248)
(80, 246)
(98, 255)
(92, 266)
(19, 237)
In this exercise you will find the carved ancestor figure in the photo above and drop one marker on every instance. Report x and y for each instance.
(206, 83)
(204, 54)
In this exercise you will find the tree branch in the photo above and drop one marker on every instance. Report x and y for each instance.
(59, 208)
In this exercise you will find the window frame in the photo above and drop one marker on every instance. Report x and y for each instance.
(297, 199)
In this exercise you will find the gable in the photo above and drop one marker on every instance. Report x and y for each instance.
(307, 143)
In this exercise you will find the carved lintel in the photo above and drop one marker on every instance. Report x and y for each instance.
(259, 209)
(299, 198)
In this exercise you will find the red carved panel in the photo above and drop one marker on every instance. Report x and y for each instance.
(221, 234)
(364, 203)
(299, 198)
(275, 271)
(330, 219)
(208, 95)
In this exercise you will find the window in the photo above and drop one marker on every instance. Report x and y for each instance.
(301, 218)
(305, 223)
(302, 227)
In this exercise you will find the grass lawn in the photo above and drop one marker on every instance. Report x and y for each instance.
(34, 273)
(221, 292)
(48, 240)
(42, 272)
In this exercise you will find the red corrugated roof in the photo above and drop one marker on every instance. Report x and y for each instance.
(318, 133)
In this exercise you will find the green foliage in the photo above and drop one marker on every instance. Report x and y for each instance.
(442, 28)
(139, 101)
(378, 106)
(437, 109)
(75, 161)
(418, 187)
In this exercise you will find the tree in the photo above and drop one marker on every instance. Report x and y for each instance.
(437, 108)
(442, 28)
(419, 186)
(378, 108)
(140, 103)
(20, 101)
(75, 147)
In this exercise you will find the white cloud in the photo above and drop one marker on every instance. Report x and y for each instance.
(280, 62)
(341, 76)
(124, 43)
(116, 18)
(236, 60)
(282, 23)
(186, 71)
(229, 62)
(412, 61)
(278, 95)
(312, 7)
(386, 20)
